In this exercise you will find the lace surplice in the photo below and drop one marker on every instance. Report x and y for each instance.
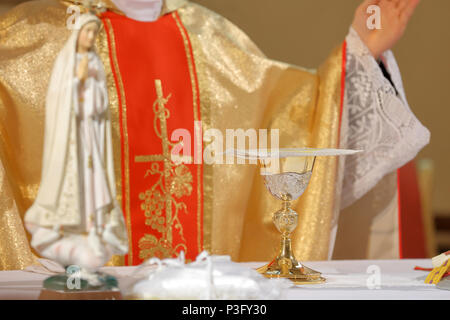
(380, 121)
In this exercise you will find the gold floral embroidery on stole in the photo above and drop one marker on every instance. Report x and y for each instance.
(174, 182)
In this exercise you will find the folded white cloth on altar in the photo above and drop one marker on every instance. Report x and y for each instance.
(208, 278)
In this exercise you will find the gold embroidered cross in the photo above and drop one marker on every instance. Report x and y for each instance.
(161, 116)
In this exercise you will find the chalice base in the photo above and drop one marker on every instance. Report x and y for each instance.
(298, 274)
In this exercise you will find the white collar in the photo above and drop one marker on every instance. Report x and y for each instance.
(141, 10)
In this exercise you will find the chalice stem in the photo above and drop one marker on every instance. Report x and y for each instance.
(286, 248)
(286, 259)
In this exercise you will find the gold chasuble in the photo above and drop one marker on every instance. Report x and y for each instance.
(212, 77)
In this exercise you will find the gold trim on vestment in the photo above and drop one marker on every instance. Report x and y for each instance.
(196, 118)
(207, 179)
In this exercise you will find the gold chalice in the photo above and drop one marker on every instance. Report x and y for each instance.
(286, 174)
(287, 178)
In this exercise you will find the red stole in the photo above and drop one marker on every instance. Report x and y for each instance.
(162, 202)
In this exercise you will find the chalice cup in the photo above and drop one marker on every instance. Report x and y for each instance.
(287, 178)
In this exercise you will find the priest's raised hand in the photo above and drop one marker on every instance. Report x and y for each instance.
(394, 14)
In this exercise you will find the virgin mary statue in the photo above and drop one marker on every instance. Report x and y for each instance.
(75, 219)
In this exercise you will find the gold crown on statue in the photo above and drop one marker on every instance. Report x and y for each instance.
(92, 6)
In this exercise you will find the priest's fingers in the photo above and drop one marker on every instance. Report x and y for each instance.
(368, 3)
(408, 11)
(403, 4)
(396, 2)
(371, 2)
(388, 7)
(387, 4)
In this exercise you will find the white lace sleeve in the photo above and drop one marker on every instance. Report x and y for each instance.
(380, 122)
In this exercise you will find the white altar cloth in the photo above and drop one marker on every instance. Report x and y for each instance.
(346, 280)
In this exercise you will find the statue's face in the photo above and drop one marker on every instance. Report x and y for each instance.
(88, 34)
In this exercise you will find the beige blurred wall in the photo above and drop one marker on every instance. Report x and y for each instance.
(7, 4)
(303, 32)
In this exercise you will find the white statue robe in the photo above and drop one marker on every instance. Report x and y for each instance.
(76, 219)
